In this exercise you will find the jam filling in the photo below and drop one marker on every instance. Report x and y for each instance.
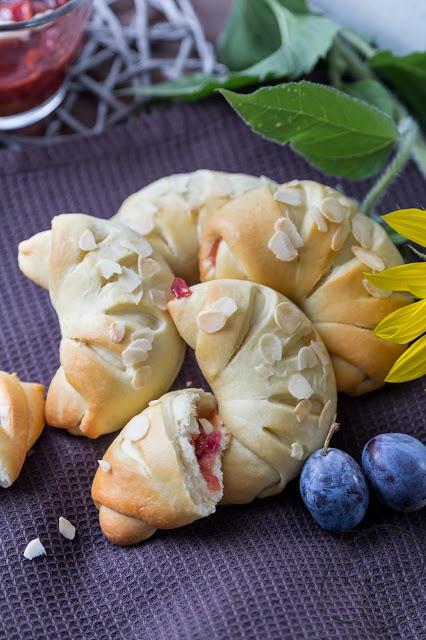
(212, 257)
(26, 9)
(207, 446)
(180, 288)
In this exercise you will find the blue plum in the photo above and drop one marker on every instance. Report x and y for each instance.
(334, 489)
(395, 465)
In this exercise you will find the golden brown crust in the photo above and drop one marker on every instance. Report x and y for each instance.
(123, 530)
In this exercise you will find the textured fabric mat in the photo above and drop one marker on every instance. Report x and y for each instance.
(260, 571)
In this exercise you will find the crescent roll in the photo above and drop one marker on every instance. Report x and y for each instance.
(21, 423)
(169, 212)
(119, 347)
(312, 244)
(271, 376)
(163, 470)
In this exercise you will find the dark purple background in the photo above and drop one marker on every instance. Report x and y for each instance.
(260, 571)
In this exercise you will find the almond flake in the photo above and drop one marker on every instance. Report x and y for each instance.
(332, 210)
(145, 344)
(139, 246)
(206, 424)
(137, 294)
(287, 226)
(293, 183)
(340, 236)
(146, 332)
(299, 387)
(287, 317)
(318, 218)
(320, 352)
(66, 528)
(159, 298)
(141, 377)
(188, 384)
(306, 358)
(346, 202)
(326, 417)
(302, 410)
(375, 291)
(271, 348)
(147, 267)
(34, 549)
(297, 451)
(282, 247)
(264, 370)
(117, 331)
(369, 258)
(128, 280)
(107, 268)
(211, 321)
(104, 465)
(136, 428)
(87, 241)
(132, 356)
(288, 195)
(362, 230)
(225, 305)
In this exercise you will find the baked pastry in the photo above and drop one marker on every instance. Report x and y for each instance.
(312, 244)
(163, 470)
(170, 213)
(119, 347)
(270, 374)
(21, 423)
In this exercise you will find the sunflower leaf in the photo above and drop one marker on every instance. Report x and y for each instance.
(412, 363)
(405, 277)
(405, 324)
(410, 223)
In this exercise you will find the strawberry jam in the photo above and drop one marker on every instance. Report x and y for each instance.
(180, 289)
(213, 251)
(207, 447)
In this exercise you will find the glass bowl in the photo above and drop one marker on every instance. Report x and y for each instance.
(35, 55)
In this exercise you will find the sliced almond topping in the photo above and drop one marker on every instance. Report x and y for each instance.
(340, 236)
(211, 321)
(66, 528)
(104, 465)
(332, 210)
(188, 383)
(87, 241)
(320, 352)
(306, 358)
(317, 406)
(271, 348)
(107, 268)
(128, 280)
(362, 229)
(287, 226)
(159, 298)
(139, 246)
(147, 267)
(375, 291)
(132, 356)
(346, 202)
(297, 451)
(225, 305)
(369, 258)
(289, 195)
(117, 331)
(141, 377)
(144, 344)
(318, 218)
(137, 294)
(293, 183)
(34, 549)
(265, 370)
(326, 417)
(282, 247)
(136, 428)
(299, 387)
(302, 410)
(206, 424)
(287, 317)
(146, 332)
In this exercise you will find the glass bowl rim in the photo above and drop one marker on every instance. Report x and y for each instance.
(43, 18)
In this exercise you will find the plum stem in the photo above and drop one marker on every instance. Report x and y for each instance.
(334, 427)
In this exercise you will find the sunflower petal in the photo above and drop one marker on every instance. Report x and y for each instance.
(412, 363)
(405, 277)
(410, 223)
(403, 325)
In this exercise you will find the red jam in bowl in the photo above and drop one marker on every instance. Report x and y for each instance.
(34, 59)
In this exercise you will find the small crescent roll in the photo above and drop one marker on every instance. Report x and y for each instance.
(169, 212)
(21, 423)
(163, 470)
(312, 244)
(271, 376)
(119, 347)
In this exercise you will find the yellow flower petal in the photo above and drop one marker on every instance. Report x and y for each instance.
(405, 277)
(412, 363)
(403, 325)
(410, 223)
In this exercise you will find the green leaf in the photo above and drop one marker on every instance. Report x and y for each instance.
(373, 92)
(340, 134)
(407, 75)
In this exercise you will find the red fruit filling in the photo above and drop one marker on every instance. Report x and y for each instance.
(207, 447)
(212, 256)
(180, 289)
